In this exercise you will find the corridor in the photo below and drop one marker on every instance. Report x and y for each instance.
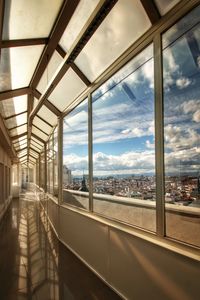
(35, 265)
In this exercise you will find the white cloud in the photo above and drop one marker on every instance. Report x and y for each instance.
(190, 106)
(129, 162)
(150, 145)
(183, 82)
(196, 116)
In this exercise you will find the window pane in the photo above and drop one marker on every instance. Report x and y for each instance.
(13, 106)
(53, 64)
(123, 145)
(46, 114)
(126, 22)
(18, 130)
(75, 157)
(78, 20)
(42, 170)
(67, 90)
(17, 66)
(55, 153)
(29, 19)
(41, 124)
(50, 166)
(165, 5)
(15, 121)
(39, 133)
(182, 131)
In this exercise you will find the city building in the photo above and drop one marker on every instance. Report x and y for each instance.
(100, 149)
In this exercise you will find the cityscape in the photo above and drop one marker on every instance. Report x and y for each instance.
(179, 190)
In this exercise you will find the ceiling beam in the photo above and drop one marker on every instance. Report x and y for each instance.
(74, 66)
(48, 104)
(14, 93)
(15, 115)
(80, 74)
(151, 10)
(2, 5)
(24, 42)
(36, 142)
(97, 17)
(17, 126)
(18, 136)
(63, 19)
(40, 129)
(45, 121)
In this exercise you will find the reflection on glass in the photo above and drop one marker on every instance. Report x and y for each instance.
(123, 144)
(75, 156)
(181, 62)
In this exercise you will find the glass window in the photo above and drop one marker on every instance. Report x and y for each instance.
(39, 133)
(37, 18)
(16, 121)
(18, 130)
(126, 22)
(16, 105)
(165, 5)
(55, 160)
(17, 66)
(77, 22)
(67, 90)
(181, 79)
(123, 144)
(41, 124)
(46, 114)
(42, 170)
(51, 68)
(75, 157)
(50, 168)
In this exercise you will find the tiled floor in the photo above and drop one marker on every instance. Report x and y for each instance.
(35, 265)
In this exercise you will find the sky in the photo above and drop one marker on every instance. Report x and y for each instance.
(123, 113)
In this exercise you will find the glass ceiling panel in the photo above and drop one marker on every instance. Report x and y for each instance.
(165, 5)
(67, 90)
(37, 142)
(33, 154)
(34, 148)
(15, 121)
(29, 19)
(46, 114)
(21, 146)
(39, 123)
(39, 133)
(52, 66)
(13, 106)
(126, 22)
(18, 130)
(79, 19)
(17, 66)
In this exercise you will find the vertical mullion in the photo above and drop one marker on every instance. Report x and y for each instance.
(60, 160)
(90, 152)
(159, 137)
(45, 167)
